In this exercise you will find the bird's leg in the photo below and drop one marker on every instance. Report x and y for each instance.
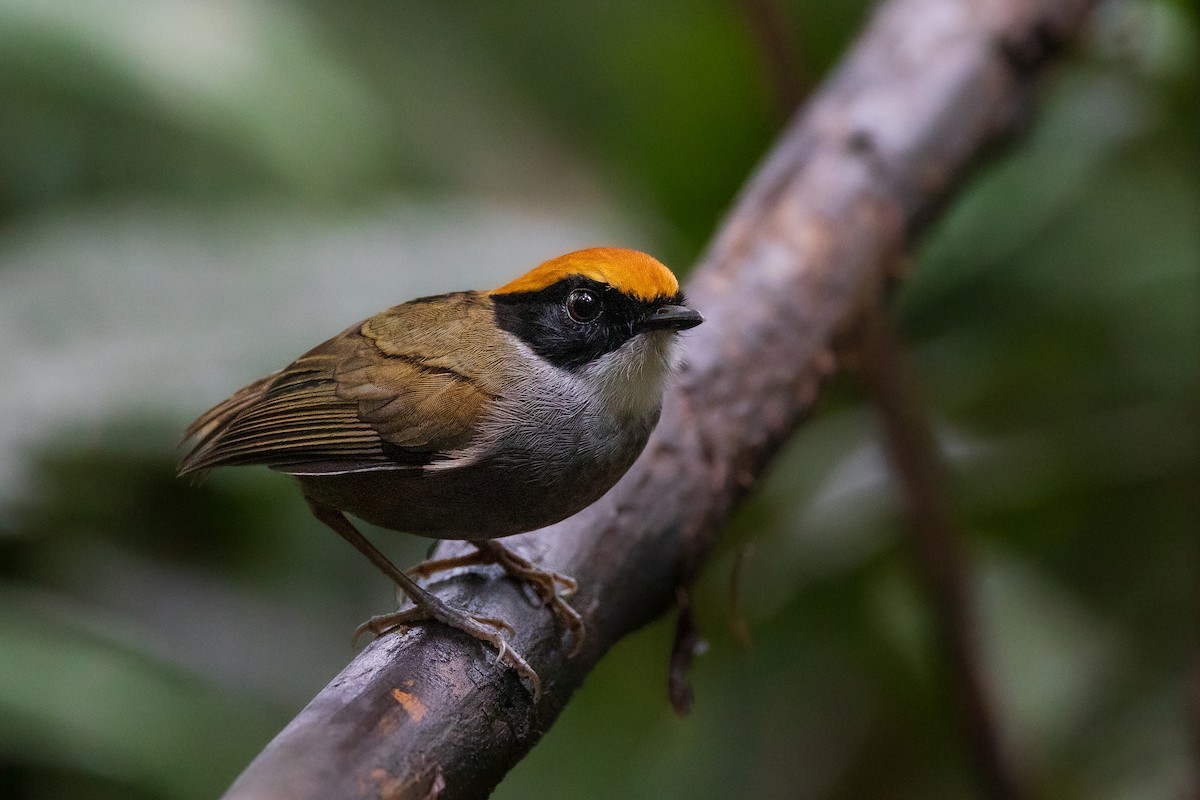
(550, 587)
(427, 606)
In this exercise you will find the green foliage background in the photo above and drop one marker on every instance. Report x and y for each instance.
(193, 193)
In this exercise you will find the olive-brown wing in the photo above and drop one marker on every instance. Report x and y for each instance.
(395, 391)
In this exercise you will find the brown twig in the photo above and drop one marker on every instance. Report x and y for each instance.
(928, 85)
(737, 616)
(684, 650)
(940, 560)
(789, 74)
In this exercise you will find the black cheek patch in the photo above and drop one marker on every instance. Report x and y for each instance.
(540, 319)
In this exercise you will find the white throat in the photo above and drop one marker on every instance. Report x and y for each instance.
(629, 381)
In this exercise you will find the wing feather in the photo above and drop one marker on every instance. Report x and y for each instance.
(382, 395)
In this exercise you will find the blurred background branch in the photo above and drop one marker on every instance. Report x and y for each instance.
(938, 555)
(783, 61)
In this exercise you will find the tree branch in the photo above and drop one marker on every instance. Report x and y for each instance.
(812, 240)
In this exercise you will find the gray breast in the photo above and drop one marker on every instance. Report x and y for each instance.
(521, 485)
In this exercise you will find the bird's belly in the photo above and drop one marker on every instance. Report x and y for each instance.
(485, 500)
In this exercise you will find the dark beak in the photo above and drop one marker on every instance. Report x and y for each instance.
(670, 318)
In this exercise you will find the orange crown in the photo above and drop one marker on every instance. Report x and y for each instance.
(630, 272)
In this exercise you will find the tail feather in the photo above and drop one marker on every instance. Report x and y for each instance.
(208, 427)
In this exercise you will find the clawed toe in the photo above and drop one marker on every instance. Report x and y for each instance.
(495, 622)
(549, 588)
(382, 624)
(567, 585)
(571, 620)
(427, 569)
(492, 630)
(547, 584)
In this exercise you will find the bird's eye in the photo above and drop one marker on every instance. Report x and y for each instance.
(583, 305)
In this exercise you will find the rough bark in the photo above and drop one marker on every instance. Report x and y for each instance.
(819, 230)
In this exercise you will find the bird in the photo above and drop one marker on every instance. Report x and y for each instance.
(471, 415)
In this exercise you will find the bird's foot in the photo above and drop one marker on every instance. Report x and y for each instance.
(550, 587)
(426, 605)
(487, 629)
